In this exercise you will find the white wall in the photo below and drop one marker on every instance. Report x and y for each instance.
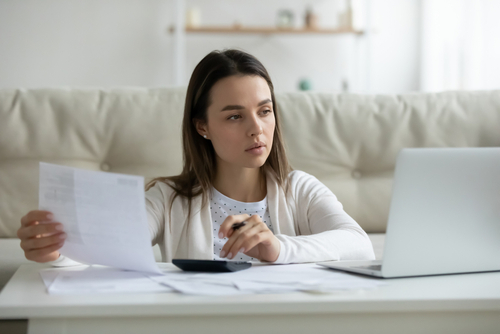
(83, 43)
(460, 48)
(124, 43)
(491, 53)
(394, 56)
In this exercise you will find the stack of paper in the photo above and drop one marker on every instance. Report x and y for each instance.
(257, 279)
(96, 280)
(267, 279)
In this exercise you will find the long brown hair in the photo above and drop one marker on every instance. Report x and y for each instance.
(199, 156)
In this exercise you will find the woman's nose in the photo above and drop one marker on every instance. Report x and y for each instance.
(255, 127)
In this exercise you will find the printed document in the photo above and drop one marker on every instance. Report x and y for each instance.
(103, 214)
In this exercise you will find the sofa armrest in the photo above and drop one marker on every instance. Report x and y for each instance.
(377, 240)
(11, 258)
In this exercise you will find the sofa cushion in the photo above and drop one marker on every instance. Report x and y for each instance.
(123, 131)
(350, 142)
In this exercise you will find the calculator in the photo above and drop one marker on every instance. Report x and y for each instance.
(211, 265)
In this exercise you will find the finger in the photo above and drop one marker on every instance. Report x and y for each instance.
(39, 254)
(39, 229)
(226, 226)
(230, 247)
(36, 243)
(49, 257)
(256, 239)
(36, 215)
(247, 240)
(251, 219)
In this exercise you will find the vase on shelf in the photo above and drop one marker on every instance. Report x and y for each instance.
(345, 18)
(193, 17)
(311, 19)
(285, 19)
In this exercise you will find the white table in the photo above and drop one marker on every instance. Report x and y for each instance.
(467, 303)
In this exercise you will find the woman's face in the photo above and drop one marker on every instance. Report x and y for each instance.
(240, 116)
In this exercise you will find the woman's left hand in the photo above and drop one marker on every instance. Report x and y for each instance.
(254, 239)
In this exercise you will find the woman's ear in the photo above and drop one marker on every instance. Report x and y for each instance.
(201, 128)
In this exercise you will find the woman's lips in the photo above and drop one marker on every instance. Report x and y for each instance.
(257, 151)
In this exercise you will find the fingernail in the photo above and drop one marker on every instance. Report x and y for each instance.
(242, 250)
(59, 227)
(50, 216)
(230, 255)
(221, 235)
(62, 236)
(222, 253)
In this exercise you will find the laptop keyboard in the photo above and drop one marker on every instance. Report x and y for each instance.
(373, 267)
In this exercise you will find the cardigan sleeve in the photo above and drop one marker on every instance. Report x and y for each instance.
(326, 231)
(155, 210)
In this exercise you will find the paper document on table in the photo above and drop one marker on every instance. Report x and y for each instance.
(267, 279)
(264, 278)
(103, 214)
(99, 279)
(48, 275)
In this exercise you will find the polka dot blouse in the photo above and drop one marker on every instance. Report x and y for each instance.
(221, 207)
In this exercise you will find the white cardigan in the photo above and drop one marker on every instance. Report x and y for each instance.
(310, 224)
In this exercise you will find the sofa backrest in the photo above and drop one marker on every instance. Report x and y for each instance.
(348, 141)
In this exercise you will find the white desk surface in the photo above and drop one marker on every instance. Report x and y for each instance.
(25, 297)
(466, 303)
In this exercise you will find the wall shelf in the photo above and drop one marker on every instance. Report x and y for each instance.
(359, 44)
(236, 29)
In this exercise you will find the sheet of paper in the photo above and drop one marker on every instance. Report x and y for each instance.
(48, 275)
(266, 279)
(104, 280)
(104, 216)
(203, 288)
(303, 273)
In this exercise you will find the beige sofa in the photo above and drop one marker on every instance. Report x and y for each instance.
(348, 141)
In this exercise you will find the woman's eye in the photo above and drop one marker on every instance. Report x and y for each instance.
(235, 117)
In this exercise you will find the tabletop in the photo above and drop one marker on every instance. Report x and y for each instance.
(25, 296)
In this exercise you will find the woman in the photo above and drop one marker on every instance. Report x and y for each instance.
(235, 170)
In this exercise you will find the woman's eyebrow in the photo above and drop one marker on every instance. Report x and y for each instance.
(236, 106)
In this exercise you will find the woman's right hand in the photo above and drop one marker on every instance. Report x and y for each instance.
(40, 236)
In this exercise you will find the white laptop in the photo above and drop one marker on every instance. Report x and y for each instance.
(444, 216)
